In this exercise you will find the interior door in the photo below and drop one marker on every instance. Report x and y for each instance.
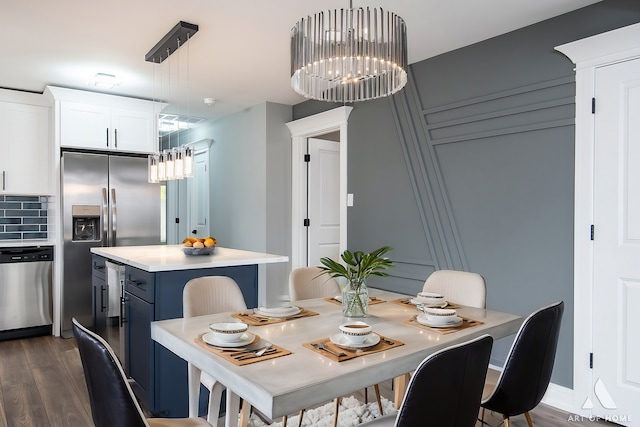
(198, 190)
(616, 295)
(323, 195)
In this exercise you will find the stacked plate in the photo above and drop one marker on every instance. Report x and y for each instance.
(277, 311)
(438, 317)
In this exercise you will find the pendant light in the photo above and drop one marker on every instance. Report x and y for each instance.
(349, 55)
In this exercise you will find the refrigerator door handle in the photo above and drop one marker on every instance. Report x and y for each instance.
(105, 212)
(114, 216)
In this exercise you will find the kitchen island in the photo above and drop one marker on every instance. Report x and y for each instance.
(154, 277)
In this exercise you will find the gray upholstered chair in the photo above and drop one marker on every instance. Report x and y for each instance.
(459, 287)
(446, 388)
(110, 396)
(202, 296)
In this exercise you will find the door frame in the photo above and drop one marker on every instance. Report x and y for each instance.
(301, 129)
(588, 54)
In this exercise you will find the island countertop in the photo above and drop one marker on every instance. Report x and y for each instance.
(156, 258)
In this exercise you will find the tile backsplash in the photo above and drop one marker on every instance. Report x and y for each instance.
(23, 217)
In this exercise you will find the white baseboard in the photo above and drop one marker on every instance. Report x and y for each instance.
(557, 396)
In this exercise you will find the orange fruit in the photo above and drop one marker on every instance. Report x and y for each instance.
(208, 242)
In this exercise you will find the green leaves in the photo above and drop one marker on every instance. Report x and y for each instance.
(358, 265)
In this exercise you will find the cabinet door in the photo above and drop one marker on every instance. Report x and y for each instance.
(139, 353)
(133, 131)
(24, 142)
(85, 126)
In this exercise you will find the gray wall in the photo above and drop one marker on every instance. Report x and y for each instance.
(471, 167)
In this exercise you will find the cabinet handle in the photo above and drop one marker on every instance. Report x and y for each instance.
(98, 267)
(4, 180)
(115, 134)
(135, 283)
(102, 306)
(107, 137)
(123, 309)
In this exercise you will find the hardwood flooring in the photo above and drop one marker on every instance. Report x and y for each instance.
(42, 385)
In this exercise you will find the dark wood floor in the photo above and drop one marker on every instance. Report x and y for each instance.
(42, 385)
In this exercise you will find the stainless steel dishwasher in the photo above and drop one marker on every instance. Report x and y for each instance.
(25, 291)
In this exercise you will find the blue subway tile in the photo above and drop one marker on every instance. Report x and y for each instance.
(9, 220)
(22, 198)
(11, 228)
(21, 212)
(10, 205)
(43, 213)
(32, 206)
(37, 220)
(10, 236)
(34, 235)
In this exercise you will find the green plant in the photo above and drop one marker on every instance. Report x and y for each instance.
(358, 265)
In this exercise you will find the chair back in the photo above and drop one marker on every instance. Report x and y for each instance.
(210, 295)
(112, 400)
(446, 389)
(309, 282)
(460, 287)
(529, 364)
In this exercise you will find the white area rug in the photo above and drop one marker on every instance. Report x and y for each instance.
(351, 413)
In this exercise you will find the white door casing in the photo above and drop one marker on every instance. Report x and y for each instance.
(616, 277)
(198, 190)
(590, 54)
(323, 190)
(301, 129)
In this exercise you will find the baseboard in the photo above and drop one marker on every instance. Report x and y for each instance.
(557, 396)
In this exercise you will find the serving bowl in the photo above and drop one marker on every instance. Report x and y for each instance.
(230, 331)
(198, 251)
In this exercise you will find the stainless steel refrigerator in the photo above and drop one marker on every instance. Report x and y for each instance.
(106, 201)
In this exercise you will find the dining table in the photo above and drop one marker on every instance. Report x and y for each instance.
(296, 374)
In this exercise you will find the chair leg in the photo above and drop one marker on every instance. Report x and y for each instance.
(335, 417)
(215, 395)
(245, 414)
(528, 417)
(284, 421)
(507, 423)
(300, 416)
(378, 399)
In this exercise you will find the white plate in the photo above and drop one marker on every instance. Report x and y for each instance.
(416, 301)
(277, 311)
(423, 320)
(342, 341)
(212, 339)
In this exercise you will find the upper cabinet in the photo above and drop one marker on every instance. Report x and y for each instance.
(24, 144)
(105, 122)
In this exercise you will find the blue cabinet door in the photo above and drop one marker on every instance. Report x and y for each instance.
(139, 348)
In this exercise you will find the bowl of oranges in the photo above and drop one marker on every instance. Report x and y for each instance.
(198, 246)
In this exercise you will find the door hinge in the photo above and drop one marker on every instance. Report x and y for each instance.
(177, 220)
(307, 158)
(590, 360)
(593, 105)
(592, 231)
(306, 222)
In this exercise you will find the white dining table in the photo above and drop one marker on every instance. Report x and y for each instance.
(285, 385)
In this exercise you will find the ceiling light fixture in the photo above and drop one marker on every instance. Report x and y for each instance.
(349, 55)
(105, 81)
(174, 162)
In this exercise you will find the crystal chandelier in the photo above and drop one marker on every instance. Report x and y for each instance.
(349, 55)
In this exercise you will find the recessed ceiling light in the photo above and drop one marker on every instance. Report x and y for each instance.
(105, 81)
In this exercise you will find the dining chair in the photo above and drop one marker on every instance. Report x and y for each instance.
(527, 371)
(310, 282)
(459, 287)
(202, 296)
(110, 395)
(446, 388)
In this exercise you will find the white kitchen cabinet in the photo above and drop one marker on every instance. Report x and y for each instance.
(101, 127)
(24, 143)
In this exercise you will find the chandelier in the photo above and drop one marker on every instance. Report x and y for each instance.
(349, 55)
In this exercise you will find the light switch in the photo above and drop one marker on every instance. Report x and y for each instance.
(350, 199)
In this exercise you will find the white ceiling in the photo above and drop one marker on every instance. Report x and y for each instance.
(240, 55)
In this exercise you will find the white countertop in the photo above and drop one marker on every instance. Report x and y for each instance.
(171, 258)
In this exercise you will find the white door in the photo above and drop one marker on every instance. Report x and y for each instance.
(323, 195)
(198, 196)
(616, 295)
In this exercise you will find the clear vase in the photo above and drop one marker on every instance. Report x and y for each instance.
(355, 299)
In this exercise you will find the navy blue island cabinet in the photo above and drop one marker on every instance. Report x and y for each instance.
(160, 376)
(154, 278)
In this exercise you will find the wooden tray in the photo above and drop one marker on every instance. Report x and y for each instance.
(348, 354)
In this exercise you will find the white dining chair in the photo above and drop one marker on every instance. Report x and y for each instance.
(458, 287)
(310, 282)
(202, 296)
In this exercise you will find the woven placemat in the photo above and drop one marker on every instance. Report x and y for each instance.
(407, 302)
(372, 300)
(342, 353)
(246, 358)
(466, 323)
(254, 319)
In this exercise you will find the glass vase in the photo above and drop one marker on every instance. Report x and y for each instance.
(355, 299)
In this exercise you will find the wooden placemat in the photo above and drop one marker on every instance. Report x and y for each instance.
(466, 323)
(372, 300)
(253, 319)
(228, 353)
(407, 302)
(346, 353)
